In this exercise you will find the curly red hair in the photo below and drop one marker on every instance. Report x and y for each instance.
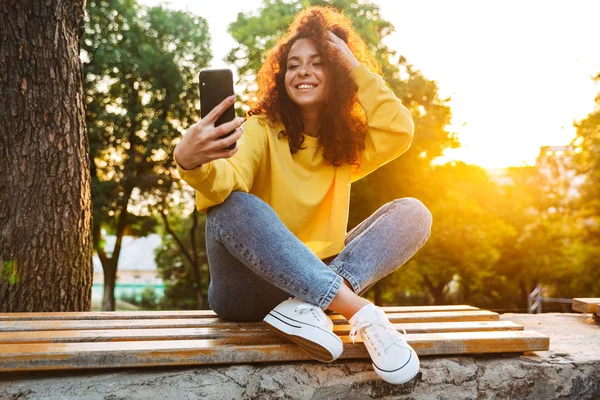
(342, 120)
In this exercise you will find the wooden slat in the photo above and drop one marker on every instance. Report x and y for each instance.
(586, 305)
(436, 316)
(442, 316)
(269, 348)
(128, 315)
(55, 325)
(410, 309)
(102, 315)
(257, 329)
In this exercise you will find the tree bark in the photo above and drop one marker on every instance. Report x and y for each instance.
(45, 200)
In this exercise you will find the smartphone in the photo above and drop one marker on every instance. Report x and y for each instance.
(215, 86)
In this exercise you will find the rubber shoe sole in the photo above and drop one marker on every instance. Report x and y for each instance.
(403, 374)
(291, 331)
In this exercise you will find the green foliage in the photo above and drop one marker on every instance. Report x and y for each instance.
(538, 253)
(139, 70)
(587, 209)
(129, 297)
(256, 34)
(459, 257)
(182, 260)
(148, 299)
(139, 91)
(587, 161)
(491, 243)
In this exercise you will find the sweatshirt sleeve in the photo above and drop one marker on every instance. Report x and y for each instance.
(390, 124)
(214, 181)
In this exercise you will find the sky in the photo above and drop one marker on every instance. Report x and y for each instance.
(518, 73)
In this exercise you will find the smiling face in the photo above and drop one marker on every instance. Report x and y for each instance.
(305, 76)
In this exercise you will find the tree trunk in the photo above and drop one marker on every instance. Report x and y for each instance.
(45, 203)
(110, 280)
(377, 294)
(437, 291)
(110, 265)
(524, 295)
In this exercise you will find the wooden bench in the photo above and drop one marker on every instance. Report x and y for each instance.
(587, 305)
(52, 341)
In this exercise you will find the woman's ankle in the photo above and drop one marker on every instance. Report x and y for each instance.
(347, 303)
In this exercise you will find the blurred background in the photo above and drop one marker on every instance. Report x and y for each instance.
(507, 141)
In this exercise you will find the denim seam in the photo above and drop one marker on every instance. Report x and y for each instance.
(331, 292)
(338, 269)
(354, 243)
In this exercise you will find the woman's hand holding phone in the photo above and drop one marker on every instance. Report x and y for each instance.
(201, 142)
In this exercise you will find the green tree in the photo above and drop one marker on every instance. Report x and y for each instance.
(491, 243)
(542, 251)
(457, 263)
(182, 259)
(149, 299)
(587, 162)
(139, 85)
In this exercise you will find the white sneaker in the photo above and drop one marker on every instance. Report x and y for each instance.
(306, 325)
(393, 359)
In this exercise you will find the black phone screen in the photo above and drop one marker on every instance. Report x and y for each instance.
(215, 86)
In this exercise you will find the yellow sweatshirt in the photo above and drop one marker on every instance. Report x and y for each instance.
(311, 197)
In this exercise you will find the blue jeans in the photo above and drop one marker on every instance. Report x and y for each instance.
(256, 262)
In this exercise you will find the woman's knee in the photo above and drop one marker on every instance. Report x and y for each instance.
(416, 212)
(236, 206)
(235, 200)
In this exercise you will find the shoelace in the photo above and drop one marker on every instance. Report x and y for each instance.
(390, 335)
(306, 307)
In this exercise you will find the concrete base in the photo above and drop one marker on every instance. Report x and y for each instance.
(570, 370)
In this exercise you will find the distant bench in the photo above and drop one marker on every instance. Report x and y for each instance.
(82, 340)
(587, 305)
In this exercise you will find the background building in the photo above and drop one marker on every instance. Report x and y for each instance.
(136, 269)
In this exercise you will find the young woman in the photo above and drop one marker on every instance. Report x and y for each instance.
(277, 204)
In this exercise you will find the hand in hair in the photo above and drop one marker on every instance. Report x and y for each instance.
(342, 47)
